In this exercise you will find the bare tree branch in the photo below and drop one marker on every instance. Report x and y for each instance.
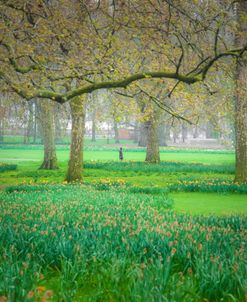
(164, 107)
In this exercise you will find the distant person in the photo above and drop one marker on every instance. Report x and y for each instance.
(121, 153)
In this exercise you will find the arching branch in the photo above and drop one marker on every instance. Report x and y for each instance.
(198, 74)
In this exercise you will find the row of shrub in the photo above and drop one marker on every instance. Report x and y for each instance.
(6, 167)
(107, 184)
(214, 185)
(206, 186)
(162, 167)
(185, 185)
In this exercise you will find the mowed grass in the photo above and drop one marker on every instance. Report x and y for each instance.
(9, 155)
(210, 203)
(100, 165)
(72, 243)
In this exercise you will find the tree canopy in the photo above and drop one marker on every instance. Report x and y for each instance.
(110, 45)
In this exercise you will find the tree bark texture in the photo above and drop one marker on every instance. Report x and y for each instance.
(30, 124)
(48, 133)
(241, 100)
(241, 124)
(152, 153)
(75, 168)
(2, 116)
(143, 134)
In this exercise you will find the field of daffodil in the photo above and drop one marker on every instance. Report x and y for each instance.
(77, 243)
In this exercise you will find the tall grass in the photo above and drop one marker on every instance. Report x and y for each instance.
(68, 243)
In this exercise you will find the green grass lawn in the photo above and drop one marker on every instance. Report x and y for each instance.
(140, 175)
(210, 203)
(10, 155)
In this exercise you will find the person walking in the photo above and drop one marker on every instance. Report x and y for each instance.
(121, 153)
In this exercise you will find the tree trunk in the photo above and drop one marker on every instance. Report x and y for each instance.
(75, 168)
(152, 153)
(143, 134)
(108, 134)
(184, 132)
(241, 128)
(1, 130)
(2, 115)
(241, 124)
(116, 134)
(195, 132)
(175, 136)
(208, 130)
(48, 135)
(35, 123)
(30, 123)
(241, 100)
(58, 125)
(38, 115)
(94, 126)
(136, 128)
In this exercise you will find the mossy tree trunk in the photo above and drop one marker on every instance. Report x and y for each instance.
(48, 135)
(152, 153)
(241, 127)
(75, 168)
(241, 100)
(143, 134)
